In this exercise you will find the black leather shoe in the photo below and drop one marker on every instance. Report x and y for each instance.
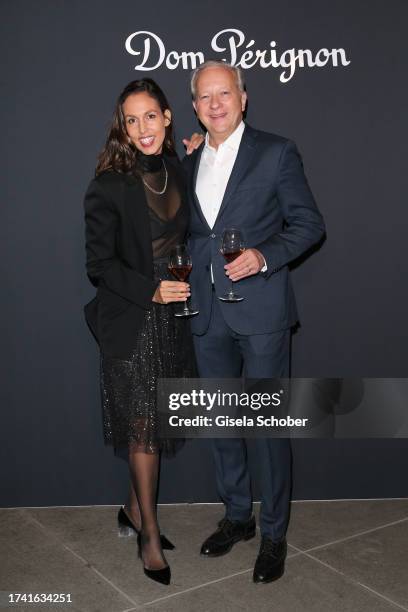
(228, 534)
(270, 563)
(126, 528)
(162, 575)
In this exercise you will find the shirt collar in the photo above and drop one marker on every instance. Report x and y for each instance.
(232, 142)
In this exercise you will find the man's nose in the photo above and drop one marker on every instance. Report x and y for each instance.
(214, 102)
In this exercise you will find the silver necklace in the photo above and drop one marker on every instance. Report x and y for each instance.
(165, 183)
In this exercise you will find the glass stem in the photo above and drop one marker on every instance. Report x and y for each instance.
(186, 309)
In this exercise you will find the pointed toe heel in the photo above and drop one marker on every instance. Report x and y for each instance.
(162, 575)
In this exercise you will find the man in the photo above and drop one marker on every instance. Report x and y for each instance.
(254, 181)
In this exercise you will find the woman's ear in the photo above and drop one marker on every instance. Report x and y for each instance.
(167, 117)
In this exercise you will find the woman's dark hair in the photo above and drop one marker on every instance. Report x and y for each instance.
(118, 153)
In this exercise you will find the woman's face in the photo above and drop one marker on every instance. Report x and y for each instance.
(145, 122)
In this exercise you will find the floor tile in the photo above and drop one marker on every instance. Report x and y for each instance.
(36, 547)
(32, 561)
(307, 586)
(92, 533)
(315, 523)
(378, 559)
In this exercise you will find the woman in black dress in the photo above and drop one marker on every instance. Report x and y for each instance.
(135, 213)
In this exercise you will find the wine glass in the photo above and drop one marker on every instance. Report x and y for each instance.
(232, 245)
(180, 265)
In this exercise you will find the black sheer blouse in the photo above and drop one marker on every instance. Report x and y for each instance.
(168, 211)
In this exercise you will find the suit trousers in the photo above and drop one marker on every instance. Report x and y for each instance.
(223, 353)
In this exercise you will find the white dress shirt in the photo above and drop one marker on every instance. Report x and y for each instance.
(214, 173)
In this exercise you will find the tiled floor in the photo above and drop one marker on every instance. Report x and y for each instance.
(343, 556)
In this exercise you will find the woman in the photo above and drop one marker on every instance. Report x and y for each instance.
(135, 212)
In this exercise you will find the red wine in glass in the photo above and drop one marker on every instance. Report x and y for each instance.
(231, 256)
(180, 265)
(232, 245)
(180, 272)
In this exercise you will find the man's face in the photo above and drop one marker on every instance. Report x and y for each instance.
(219, 103)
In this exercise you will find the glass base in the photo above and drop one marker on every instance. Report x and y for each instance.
(230, 297)
(186, 313)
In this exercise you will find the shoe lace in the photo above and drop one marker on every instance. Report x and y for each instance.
(270, 547)
(226, 526)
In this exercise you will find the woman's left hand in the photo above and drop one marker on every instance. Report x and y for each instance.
(195, 140)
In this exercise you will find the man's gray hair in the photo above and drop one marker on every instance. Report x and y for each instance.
(216, 64)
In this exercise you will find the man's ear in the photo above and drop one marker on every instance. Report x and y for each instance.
(194, 106)
(244, 99)
(167, 117)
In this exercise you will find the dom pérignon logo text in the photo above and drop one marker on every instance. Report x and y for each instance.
(233, 47)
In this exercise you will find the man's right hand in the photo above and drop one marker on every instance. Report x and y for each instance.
(195, 140)
(171, 291)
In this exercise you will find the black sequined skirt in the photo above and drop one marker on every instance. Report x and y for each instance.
(163, 349)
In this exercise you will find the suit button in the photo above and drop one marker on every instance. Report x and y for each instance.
(212, 236)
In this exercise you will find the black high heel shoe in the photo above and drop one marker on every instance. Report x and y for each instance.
(162, 575)
(126, 529)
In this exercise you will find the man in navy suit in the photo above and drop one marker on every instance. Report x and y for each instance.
(254, 181)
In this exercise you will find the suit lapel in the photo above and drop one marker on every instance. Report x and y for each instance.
(193, 184)
(244, 157)
(245, 154)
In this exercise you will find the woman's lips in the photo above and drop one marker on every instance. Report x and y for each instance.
(146, 141)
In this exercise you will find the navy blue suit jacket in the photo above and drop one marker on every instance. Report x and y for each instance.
(268, 198)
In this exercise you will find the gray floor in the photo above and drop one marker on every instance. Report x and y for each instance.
(343, 556)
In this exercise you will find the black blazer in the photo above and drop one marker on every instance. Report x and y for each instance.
(119, 259)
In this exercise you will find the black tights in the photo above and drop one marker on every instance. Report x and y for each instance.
(144, 470)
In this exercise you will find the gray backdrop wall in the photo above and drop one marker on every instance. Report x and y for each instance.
(66, 63)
